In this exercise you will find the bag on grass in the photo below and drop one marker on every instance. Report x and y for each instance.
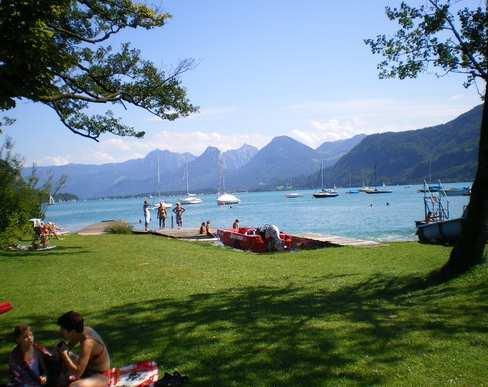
(142, 374)
(169, 380)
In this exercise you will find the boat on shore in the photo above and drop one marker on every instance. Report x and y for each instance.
(437, 227)
(252, 239)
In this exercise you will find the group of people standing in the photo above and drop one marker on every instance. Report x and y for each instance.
(162, 214)
(30, 364)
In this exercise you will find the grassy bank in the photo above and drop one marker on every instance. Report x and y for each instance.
(324, 317)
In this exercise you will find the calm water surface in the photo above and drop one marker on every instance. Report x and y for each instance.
(359, 215)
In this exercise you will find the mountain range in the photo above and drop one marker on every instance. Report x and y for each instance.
(448, 150)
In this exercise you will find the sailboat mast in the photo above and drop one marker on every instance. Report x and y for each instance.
(374, 182)
(159, 189)
(187, 191)
(322, 169)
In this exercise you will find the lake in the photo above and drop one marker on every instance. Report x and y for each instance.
(358, 215)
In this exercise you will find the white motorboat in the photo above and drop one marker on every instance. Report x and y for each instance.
(293, 195)
(191, 199)
(455, 191)
(226, 198)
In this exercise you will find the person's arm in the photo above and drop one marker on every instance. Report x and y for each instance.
(42, 367)
(78, 367)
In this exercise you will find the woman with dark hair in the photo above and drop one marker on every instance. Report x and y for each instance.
(93, 363)
(26, 362)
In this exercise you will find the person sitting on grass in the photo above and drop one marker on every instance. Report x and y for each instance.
(207, 228)
(202, 229)
(27, 365)
(92, 366)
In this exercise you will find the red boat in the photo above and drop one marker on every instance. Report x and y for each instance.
(248, 238)
(5, 307)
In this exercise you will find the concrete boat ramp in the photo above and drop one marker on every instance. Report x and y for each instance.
(340, 241)
(193, 235)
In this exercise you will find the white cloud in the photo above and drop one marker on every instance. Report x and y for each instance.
(53, 160)
(344, 119)
(117, 143)
(100, 158)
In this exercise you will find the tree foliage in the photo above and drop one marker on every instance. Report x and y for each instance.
(430, 36)
(55, 52)
(20, 200)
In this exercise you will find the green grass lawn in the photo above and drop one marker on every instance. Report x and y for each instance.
(334, 316)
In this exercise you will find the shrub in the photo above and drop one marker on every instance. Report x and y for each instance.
(19, 199)
(119, 228)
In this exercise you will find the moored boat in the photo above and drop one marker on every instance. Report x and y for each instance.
(325, 193)
(293, 195)
(226, 198)
(431, 188)
(377, 190)
(191, 199)
(456, 191)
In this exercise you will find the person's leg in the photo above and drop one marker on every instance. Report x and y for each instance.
(97, 380)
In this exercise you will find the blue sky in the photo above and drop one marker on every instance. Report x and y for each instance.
(265, 68)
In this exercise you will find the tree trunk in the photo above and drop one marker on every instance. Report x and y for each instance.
(469, 249)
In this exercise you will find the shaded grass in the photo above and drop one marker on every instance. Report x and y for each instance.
(322, 317)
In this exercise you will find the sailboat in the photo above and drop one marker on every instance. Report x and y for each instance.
(190, 198)
(324, 192)
(375, 189)
(431, 187)
(350, 190)
(51, 200)
(224, 198)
